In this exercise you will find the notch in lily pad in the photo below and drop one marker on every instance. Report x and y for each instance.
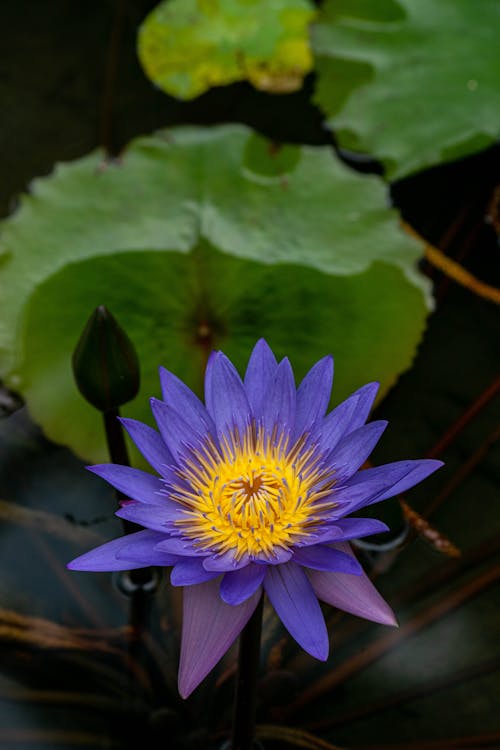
(105, 362)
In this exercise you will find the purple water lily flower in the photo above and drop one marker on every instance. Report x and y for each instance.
(252, 494)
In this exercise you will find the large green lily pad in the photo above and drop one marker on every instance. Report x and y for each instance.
(188, 46)
(203, 238)
(412, 82)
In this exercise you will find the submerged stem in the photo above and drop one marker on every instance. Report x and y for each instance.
(246, 685)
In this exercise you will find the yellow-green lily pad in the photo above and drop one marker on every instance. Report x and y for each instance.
(188, 46)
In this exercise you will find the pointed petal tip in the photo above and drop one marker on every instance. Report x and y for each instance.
(378, 426)
(354, 594)
(387, 617)
(296, 604)
(423, 468)
(322, 655)
(213, 354)
(262, 344)
(371, 387)
(209, 628)
(186, 686)
(102, 470)
(80, 565)
(435, 462)
(128, 422)
(327, 361)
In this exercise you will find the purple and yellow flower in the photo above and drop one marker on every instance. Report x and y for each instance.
(253, 494)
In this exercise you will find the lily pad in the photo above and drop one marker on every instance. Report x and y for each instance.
(188, 46)
(193, 241)
(412, 82)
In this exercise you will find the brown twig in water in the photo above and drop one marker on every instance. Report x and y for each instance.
(61, 698)
(376, 649)
(420, 691)
(36, 521)
(468, 415)
(455, 271)
(424, 529)
(465, 469)
(25, 630)
(418, 520)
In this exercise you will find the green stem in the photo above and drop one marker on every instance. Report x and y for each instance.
(118, 453)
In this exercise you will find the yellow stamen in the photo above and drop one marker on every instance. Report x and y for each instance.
(254, 496)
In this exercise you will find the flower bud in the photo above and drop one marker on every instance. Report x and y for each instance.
(105, 363)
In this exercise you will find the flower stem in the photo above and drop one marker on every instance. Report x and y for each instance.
(118, 453)
(246, 685)
(115, 438)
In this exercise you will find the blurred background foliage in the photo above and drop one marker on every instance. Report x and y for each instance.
(193, 242)
(414, 83)
(298, 162)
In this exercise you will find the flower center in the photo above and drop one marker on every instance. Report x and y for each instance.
(250, 485)
(254, 495)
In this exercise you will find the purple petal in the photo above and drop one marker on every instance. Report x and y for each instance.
(373, 485)
(150, 445)
(237, 586)
(278, 407)
(326, 534)
(278, 556)
(319, 557)
(179, 397)
(209, 628)
(353, 528)
(410, 474)
(156, 517)
(365, 488)
(226, 398)
(136, 484)
(354, 594)
(354, 449)
(140, 548)
(178, 546)
(335, 424)
(292, 596)
(104, 558)
(260, 372)
(313, 395)
(178, 434)
(224, 562)
(349, 497)
(214, 355)
(189, 571)
(366, 396)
